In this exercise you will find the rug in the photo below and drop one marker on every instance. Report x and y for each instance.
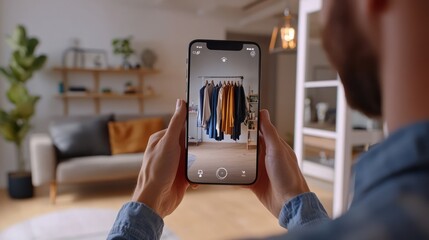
(81, 223)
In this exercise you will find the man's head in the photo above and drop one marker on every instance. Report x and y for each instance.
(353, 54)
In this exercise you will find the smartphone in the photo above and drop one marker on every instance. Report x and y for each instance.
(223, 82)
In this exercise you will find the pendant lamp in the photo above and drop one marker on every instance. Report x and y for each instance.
(284, 35)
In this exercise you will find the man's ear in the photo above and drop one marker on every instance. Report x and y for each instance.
(371, 9)
(368, 15)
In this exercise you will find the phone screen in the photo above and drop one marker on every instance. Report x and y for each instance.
(222, 124)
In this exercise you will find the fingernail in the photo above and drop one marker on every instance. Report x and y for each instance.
(178, 104)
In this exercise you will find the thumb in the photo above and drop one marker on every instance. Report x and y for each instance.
(269, 132)
(177, 121)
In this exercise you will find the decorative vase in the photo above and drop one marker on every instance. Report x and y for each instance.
(126, 64)
(321, 109)
(148, 58)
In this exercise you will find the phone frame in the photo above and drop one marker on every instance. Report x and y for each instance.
(225, 45)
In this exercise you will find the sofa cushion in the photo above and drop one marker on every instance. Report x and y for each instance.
(99, 168)
(126, 117)
(77, 137)
(132, 136)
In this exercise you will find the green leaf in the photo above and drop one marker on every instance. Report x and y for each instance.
(17, 93)
(8, 132)
(7, 73)
(19, 72)
(22, 60)
(4, 116)
(39, 62)
(31, 46)
(13, 45)
(18, 39)
(25, 109)
(7, 127)
(20, 35)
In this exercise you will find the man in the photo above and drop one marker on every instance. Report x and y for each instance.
(379, 48)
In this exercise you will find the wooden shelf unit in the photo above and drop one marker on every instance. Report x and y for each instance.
(104, 96)
(97, 96)
(337, 140)
(252, 142)
(107, 70)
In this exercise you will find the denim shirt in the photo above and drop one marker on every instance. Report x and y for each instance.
(391, 199)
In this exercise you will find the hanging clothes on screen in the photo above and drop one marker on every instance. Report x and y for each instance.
(223, 109)
(230, 110)
(201, 107)
(219, 109)
(209, 130)
(212, 131)
(206, 112)
(240, 112)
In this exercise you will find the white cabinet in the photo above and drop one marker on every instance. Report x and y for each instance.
(324, 148)
(195, 131)
(252, 119)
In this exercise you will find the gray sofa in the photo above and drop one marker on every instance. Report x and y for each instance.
(46, 169)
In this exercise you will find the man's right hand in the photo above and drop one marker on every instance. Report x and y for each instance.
(279, 177)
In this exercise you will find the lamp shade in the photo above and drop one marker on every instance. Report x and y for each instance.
(284, 36)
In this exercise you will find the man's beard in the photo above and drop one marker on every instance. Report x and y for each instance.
(354, 58)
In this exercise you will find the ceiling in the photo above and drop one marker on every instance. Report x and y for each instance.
(243, 13)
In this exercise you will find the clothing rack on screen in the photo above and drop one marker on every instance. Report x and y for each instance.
(204, 83)
(222, 107)
(206, 78)
(241, 77)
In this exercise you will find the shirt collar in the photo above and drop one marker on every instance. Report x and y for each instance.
(404, 150)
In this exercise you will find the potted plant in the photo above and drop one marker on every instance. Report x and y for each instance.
(15, 123)
(122, 46)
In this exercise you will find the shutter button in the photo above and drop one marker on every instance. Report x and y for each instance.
(221, 173)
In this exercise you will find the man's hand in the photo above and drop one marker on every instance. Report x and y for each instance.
(280, 178)
(162, 182)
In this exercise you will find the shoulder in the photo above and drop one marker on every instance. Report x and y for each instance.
(394, 216)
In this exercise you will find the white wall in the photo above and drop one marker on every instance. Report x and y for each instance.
(285, 97)
(96, 23)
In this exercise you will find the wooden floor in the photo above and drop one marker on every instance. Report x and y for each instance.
(209, 212)
(234, 157)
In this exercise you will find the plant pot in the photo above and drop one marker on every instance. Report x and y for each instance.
(126, 64)
(20, 185)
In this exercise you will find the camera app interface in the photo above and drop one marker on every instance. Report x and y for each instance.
(222, 127)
